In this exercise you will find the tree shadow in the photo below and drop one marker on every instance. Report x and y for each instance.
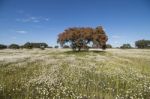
(84, 52)
(98, 51)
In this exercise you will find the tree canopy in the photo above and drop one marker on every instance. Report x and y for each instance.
(80, 37)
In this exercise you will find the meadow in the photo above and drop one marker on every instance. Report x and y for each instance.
(63, 74)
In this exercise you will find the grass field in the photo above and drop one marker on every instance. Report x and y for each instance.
(63, 74)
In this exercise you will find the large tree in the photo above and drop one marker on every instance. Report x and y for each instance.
(80, 37)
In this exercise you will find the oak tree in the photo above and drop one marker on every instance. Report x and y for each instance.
(80, 37)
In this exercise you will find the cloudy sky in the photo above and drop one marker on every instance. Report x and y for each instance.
(124, 21)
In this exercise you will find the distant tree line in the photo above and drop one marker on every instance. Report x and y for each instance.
(27, 45)
(141, 44)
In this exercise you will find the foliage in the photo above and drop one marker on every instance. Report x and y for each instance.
(125, 46)
(79, 38)
(35, 45)
(14, 46)
(142, 44)
(3, 46)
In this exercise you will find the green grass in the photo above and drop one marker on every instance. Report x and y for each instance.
(63, 74)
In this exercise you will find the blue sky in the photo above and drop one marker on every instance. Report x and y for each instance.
(124, 21)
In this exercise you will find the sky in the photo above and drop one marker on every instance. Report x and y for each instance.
(124, 21)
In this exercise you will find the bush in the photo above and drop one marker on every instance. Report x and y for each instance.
(14, 46)
(3, 46)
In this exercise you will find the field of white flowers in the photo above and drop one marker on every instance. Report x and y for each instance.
(63, 74)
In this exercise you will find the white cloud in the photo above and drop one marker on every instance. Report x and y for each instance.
(29, 19)
(32, 19)
(22, 32)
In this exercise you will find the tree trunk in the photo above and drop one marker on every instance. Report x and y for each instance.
(79, 49)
